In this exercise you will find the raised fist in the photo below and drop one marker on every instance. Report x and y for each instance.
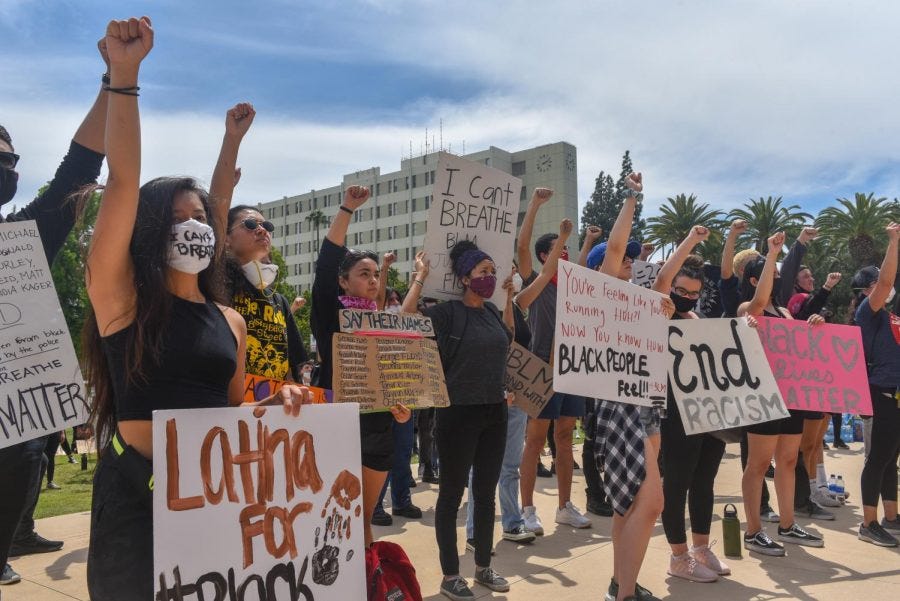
(738, 227)
(541, 195)
(832, 280)
(388, 259)
(422, 264)
(699, 233)
(808, 234)
(646, 250)
(893, 231)
(355, 197)
(565, 228)
(129, 41)
(101, 47)
(776, 242)
(239, 118)
(592, 232)
(635, 182)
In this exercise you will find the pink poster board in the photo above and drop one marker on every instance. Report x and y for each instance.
(817, 368)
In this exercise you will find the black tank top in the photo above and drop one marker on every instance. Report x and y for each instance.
(196, 364)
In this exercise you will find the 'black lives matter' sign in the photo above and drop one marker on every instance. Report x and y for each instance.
(41, 389)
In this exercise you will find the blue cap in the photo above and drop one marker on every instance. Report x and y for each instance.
(595, 257)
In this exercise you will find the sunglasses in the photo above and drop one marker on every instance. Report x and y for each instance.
(9, 160)
(251, 224)
(691, 294)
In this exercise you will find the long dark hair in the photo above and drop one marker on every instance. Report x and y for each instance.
(153, 303)
(234, 274)
(754, 269)
(692, 268)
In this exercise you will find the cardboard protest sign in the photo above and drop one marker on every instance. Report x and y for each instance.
(382, 322)
(258, 388)
(818, 368)
(610, 340)
(41, 388)
(644, 273)
(253, 499)
(530, 378)
(380, 371)
(475, 202)
(719, 375)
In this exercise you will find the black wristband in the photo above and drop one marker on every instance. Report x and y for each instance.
(105, 79)
(347, 209)
(133, 91)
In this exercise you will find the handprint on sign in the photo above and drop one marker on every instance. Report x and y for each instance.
(326, 561)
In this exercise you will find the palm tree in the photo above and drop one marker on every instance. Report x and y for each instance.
(316, 219)
(857, 227)
(676, 220)
(767, 216)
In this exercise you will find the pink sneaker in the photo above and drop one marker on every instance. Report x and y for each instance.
(685, 566)
(704, 556)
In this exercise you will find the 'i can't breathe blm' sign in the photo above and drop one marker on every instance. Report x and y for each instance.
(471, 202)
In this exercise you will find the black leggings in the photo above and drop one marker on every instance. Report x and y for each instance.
(879, 476)
(691, 464)
(50, 452)
(468, 437)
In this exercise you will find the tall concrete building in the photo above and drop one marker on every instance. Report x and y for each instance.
(395, 217)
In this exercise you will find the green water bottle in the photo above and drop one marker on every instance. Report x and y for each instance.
(731, 532)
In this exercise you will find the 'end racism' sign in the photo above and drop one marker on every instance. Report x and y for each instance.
(719, 375)
(41, 388)
(258, 502)
(818, 368)
(471, 202)
(610, 340)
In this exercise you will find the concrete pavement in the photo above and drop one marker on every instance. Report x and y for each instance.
(568, 564)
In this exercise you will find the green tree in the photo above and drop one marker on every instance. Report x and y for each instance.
(316, 219)
(768, 216)
(637, 224)
(68, 270)
(677, 218)
(856, 228)
(281, 286)
(602, 209)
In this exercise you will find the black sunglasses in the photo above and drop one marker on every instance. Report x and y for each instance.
(9, 159)
(251, 224)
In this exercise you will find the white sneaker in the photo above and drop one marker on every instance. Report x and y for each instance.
(689, 568)
(704, 556)
(572, 516)
(532, 521)
(822, 497)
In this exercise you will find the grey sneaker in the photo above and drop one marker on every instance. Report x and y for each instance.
(9, 575)
(814, 512)
(875, 534)
(640, 593)
(456, 589)
(797, 535)
(891, 525)
(487, 577)
(519, 535)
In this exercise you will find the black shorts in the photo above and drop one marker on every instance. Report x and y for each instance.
(788, 425)
(377, 440)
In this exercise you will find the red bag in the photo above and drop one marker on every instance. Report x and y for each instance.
(390, 576)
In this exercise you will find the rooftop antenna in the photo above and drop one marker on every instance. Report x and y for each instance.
(426, 140)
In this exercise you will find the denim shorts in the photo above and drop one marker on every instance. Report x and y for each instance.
(563, 405)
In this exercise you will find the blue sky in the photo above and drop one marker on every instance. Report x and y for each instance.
(725, 100)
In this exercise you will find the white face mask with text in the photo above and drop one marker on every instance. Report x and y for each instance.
(191, 246)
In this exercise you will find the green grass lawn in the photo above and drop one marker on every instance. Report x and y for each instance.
(75, 494)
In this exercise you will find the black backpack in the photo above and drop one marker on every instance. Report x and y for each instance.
(449, 342)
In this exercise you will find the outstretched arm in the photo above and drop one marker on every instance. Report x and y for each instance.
(354, 197)
(738, 227)
(591, 233)
(534, 289)
(618, 237)
(670, 268)
(416, 281)
(523, 244)
(109, 267)
(386, 262)
(225, 176)
(879, 295)
(763, 294)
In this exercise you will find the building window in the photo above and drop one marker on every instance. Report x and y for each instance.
(405, 231)
(406, 185)
(518, 168)
(377, 188)
(392, 209)
(522, 195)
(427, 202)
(418, 228)
(413, 181)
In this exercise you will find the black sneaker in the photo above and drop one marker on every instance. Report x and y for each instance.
(410, 511)
(840, 444)
(9, 576)
(34, 544)
(487, 577)
(640, 593)
(875, 534)
(456, 589)
(798, 536)
(381, 518)
(767, 514)
(761, 543)
(519, 535)
(825, 446)
(601, 508)
(542, 471)
(470, 546)
(430, 478)
(814, 511)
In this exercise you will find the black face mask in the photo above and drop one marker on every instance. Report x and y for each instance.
(9, 183)
(683, 304)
